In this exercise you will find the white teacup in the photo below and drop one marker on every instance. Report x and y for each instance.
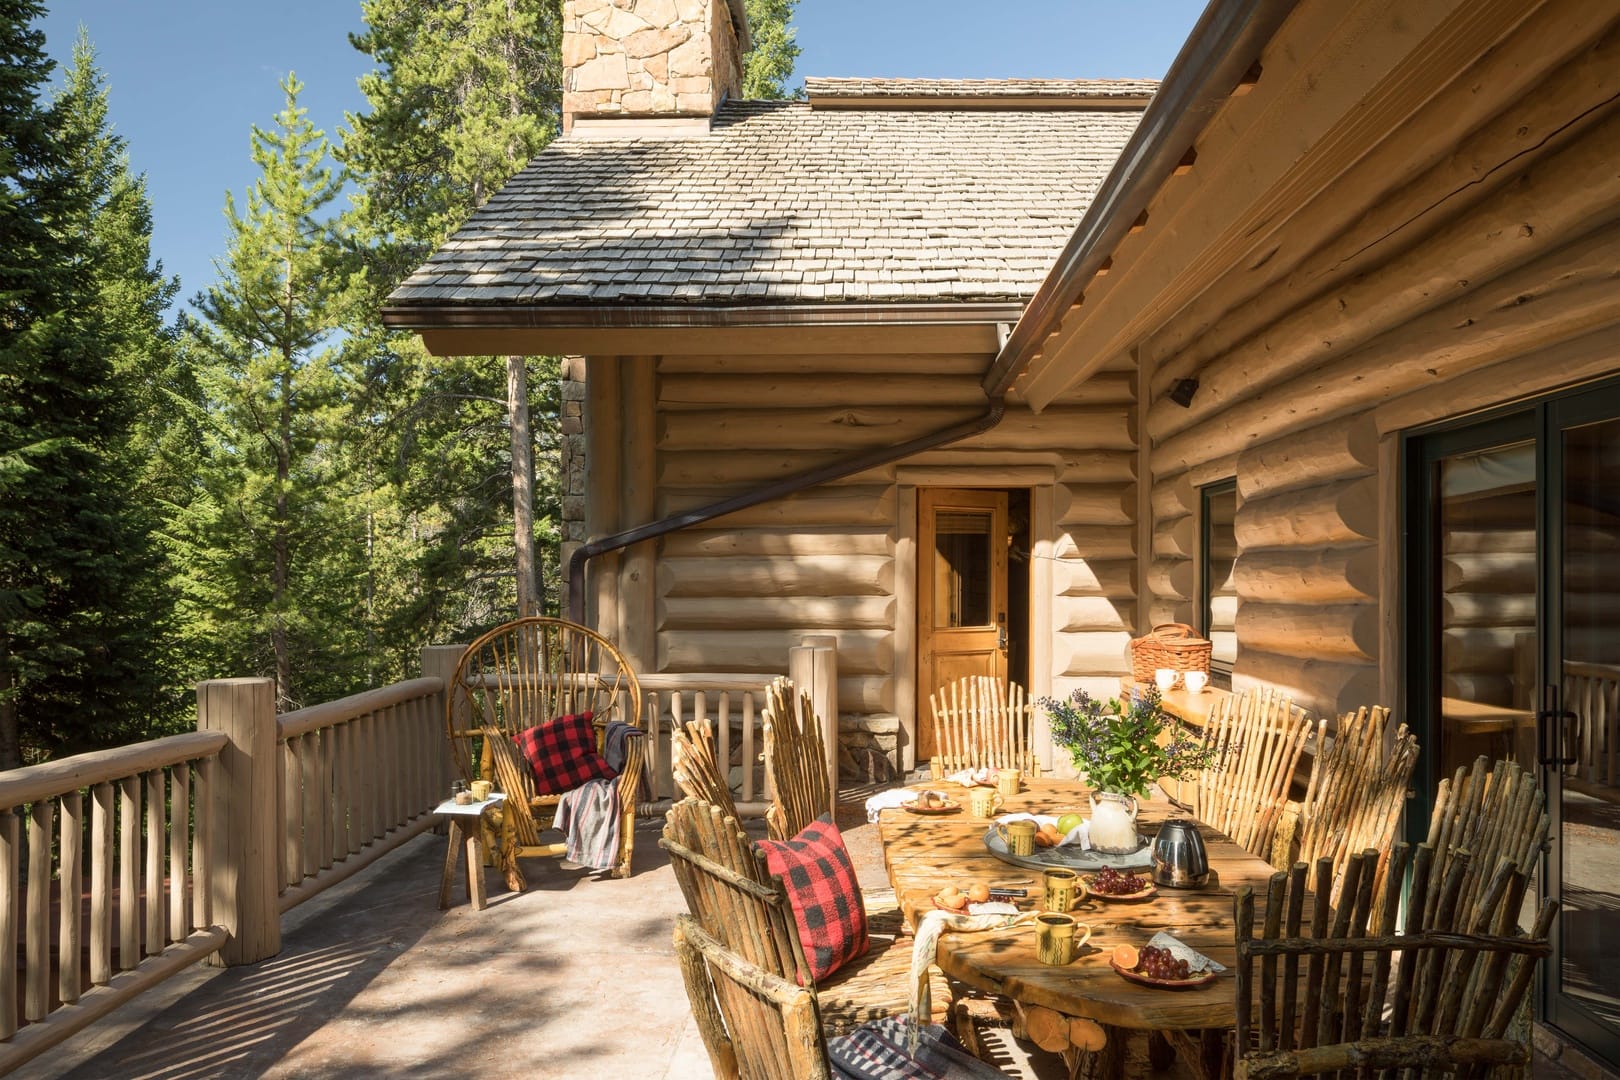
(1196, 681)
(1166, 678)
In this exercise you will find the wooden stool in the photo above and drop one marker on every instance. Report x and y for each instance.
(465, 833)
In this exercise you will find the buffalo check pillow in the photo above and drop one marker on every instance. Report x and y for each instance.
(562, 754)
(820, 880)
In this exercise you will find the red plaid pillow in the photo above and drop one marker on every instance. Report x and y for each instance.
(562, 754)
(826, 899)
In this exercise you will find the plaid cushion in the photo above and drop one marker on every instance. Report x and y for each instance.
(562, 754)
(877, 1051)
(826, 899)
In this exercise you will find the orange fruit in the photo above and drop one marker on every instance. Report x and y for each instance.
(956, 901)
(978, 892)
(1127, 957)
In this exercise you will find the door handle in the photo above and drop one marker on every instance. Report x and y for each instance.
(1562, 736)
(1001, 630)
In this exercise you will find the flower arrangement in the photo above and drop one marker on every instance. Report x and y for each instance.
(1119, 745)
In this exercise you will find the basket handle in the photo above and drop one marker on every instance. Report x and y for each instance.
(1181, 628)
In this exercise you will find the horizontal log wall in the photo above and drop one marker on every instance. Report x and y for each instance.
(732, 595)
(1464, 257)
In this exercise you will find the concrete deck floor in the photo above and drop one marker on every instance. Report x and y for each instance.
(574, 978)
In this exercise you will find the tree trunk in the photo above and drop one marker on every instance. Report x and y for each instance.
(279, 543)
(517, 404)
(10, 751)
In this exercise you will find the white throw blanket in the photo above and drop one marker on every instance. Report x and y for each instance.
(925, 952)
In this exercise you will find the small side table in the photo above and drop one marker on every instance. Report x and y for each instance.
(464, 832)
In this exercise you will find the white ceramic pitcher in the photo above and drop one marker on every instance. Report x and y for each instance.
(1113, 822)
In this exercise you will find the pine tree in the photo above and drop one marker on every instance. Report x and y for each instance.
(79, 651)
(769, 63)
(464, 94)
(269, 542)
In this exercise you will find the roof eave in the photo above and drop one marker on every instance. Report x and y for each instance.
(1222, 48)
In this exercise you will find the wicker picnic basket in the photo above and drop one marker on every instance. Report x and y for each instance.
(1168, 645)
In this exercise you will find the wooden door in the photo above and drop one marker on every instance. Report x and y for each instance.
(961, 594)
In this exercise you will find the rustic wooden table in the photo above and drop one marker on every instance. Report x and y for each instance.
(925, 853)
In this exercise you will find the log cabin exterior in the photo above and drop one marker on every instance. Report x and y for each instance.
(1312, 358)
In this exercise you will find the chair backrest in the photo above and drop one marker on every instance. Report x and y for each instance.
(754, 1023)
(1259, 736)
(696, 770)
(982, 722)
(795, 762)
(1358, 787)
(530, 671)
(1439, 996)
(729, 889)
(1486, 814)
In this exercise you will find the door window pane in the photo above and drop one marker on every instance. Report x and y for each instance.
(1487, 610)
(1589, 836)
(962, 568)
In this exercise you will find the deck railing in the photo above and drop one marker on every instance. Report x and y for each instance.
(733, 704)
(152, 847)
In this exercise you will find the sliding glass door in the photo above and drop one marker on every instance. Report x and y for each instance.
(1513, 574)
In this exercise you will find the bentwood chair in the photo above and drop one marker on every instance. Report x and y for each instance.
(795, 761)
(526, 673)
(982, 722)
(1344, 992)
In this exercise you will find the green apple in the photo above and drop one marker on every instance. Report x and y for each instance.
(1068, 823)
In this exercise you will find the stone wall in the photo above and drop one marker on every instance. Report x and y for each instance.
(573, 461)
(641, 58)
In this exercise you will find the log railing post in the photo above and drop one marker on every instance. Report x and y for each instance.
(813, 667)
(244, 850)
(439, 661)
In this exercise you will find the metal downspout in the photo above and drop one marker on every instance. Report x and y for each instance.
(994, 410)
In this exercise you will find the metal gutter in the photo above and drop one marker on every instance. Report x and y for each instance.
(1224, 45)
(686, 316)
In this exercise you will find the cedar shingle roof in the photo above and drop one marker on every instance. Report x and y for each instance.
(782, 203)
(980, 88)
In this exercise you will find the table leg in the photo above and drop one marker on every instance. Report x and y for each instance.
(475, 870)
(449, 864)
(1161, 1055)
(1105, 1064)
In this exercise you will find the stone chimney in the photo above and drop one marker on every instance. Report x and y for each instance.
(659, 60)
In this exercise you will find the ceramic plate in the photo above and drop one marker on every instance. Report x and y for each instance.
(1141, 894)
(949, 807)
(1196, 981)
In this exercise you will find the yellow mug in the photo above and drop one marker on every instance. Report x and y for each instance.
(1007, 782)
(481, 790)
(1019, 836)
(1058, 937)
(985, 801)
(1063, 889)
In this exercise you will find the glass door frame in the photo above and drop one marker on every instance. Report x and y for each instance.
(1543, 421)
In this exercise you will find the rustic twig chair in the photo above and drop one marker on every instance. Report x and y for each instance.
(529, 672)
(696, 770)
(795, 761)
(1488, 813)
(756, 1024)
(1259, 735)
(1357, 790)
(982, 722)
(735, 898)
(1438, 998)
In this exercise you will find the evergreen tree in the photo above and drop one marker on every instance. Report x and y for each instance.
(769, 63)
(79, 650)
(465, 92)
(269, 542)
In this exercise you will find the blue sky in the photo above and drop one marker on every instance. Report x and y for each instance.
(188, 78)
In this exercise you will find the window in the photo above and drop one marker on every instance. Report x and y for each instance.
(1217, 596)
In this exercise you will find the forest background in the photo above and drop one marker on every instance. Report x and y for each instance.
(270, 482)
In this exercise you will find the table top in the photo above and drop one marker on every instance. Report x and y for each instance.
(472, 809)
(926, 853)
